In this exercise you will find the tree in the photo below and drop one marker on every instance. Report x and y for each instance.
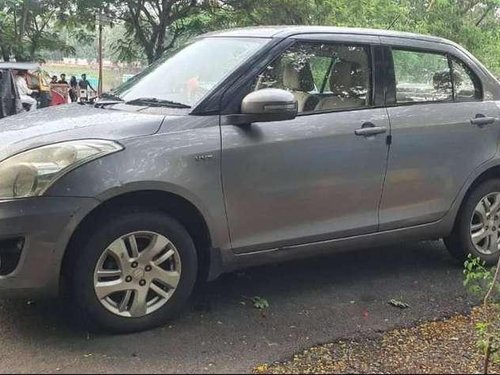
(155, 25)
(150, 27)
(361, 13)
(27, 26)
(472, 23)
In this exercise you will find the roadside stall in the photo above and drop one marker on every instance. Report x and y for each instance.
(37, 79)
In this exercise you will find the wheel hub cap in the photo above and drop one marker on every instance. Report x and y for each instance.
(485, 225)
(137, 274)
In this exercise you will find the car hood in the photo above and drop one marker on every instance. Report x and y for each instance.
(70, 122)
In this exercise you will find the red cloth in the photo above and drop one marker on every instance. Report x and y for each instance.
(57, 98)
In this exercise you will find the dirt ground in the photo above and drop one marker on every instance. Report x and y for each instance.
(446, 346)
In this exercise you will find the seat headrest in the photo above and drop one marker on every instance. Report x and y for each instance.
(346, 76)
(442, 80)
(298, 78)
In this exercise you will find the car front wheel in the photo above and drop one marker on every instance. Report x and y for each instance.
(134, 272)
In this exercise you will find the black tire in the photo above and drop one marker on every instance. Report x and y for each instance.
(87, 252)
(459, 243)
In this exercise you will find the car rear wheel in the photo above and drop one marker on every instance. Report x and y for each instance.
(477, 228)
(134, 272)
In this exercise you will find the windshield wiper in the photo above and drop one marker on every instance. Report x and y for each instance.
(155, 102)
(111, 100)
(111, 95)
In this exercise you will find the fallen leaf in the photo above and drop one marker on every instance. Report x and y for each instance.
(399, 304)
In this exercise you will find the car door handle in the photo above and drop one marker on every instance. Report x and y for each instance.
(369, 129)
(482, 120)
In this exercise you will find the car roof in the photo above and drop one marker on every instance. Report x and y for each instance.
(287, 31)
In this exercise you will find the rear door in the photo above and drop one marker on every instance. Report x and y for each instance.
(437, 108)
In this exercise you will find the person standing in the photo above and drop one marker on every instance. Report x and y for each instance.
(73, 89)
(45, 94)
(84, 85)
(25, 91)
(63, 81)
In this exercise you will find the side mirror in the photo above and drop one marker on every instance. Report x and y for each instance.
(264, 106)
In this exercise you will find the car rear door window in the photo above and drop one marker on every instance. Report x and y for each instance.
(323, 77)
(422, 77)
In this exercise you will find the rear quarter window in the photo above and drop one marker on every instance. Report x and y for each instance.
(467, 84)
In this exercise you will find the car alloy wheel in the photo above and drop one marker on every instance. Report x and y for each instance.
(485, 224)
(137, 274)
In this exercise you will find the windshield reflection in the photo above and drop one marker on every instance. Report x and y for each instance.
(188, 75)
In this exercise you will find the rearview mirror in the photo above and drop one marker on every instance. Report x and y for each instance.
(264, 106)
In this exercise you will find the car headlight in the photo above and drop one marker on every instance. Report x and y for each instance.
(32, 172)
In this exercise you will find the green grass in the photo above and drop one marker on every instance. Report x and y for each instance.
(111, 78)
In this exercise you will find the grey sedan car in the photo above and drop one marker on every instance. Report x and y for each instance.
(245, 147)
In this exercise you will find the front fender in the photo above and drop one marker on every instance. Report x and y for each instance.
(163, 162)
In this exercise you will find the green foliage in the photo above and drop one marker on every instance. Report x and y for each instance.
(155, 26)
(259, 303)
(474, 24)
(486, 339)
(417, 67)
(479, 279)
(29, 26)
(482, 282)
(150, 27)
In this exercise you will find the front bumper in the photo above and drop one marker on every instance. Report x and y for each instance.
(46, 225)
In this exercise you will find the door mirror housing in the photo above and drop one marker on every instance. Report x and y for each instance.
(265, 105)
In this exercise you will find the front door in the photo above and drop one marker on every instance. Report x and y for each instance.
(311, 178)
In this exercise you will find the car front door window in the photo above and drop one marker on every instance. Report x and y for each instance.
(323, 77)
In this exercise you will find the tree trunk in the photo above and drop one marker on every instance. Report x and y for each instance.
(33, 49)
(151, 56)
(489, 349)
(24, 18)
(134, 18)
(5, 55)
(496, 280)
(149, 24)
(162, 28)
(4, 50)
(487, 356)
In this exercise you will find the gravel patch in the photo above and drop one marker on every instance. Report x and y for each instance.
(446, 346)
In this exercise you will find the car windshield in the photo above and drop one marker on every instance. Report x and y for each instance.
(184, 77)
